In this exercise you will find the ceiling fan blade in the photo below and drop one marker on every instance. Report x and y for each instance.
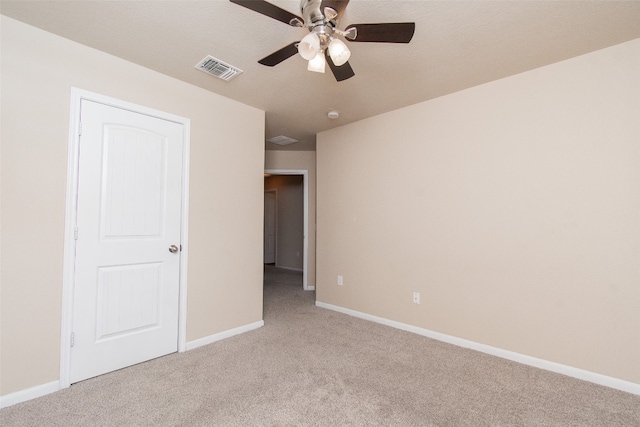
(337, 5)
(342, 72)
(271, 10)
(399, 32)
(280, 55)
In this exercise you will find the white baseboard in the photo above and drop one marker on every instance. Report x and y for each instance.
(44, 389)
(28, 394)
(570, 371)
(222, 335)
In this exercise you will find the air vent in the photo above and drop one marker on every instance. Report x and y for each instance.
(282, 140)
(218, 68)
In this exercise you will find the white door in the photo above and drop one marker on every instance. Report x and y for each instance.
(126, 284)
(269, 227)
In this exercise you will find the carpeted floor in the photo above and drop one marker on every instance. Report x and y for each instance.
(313, 367)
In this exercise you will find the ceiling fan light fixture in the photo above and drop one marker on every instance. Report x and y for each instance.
(339, 52)
(309, 46)
(317, 64)
(319, 46)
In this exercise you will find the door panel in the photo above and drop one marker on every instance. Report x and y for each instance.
(126, 287)
(133, 183)
(128, 299)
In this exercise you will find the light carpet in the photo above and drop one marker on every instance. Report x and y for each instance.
(313, 367)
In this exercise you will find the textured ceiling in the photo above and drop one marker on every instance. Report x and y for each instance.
(457, 45)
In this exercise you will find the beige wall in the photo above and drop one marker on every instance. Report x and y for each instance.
(512, 207)
(290, 213)
(300, 160)
(225, 221)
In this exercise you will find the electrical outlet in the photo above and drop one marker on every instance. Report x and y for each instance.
(340, 281)
(416, 297)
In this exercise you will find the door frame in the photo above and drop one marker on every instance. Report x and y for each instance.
(77, 95)
(305, 231)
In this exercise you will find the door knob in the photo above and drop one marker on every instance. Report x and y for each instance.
(173, 249)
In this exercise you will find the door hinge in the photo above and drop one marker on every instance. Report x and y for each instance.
(75, 233)
(80, 129)
(73, 339)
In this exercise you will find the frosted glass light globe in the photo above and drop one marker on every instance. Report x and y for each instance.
(309, 46)
(339, 52)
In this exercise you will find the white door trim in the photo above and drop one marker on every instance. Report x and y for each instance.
(305, 231)
(70, 220)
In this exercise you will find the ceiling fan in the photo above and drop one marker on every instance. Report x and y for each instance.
(322, 45)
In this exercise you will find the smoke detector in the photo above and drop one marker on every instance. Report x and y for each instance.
(333, 114)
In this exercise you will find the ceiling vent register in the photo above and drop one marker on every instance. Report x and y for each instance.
(218, 68)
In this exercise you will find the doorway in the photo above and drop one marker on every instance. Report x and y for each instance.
(302, 252)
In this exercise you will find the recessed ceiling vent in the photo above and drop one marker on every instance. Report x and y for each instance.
(282, 140)
(218, 68)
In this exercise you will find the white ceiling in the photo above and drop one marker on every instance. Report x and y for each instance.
(457, 45)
